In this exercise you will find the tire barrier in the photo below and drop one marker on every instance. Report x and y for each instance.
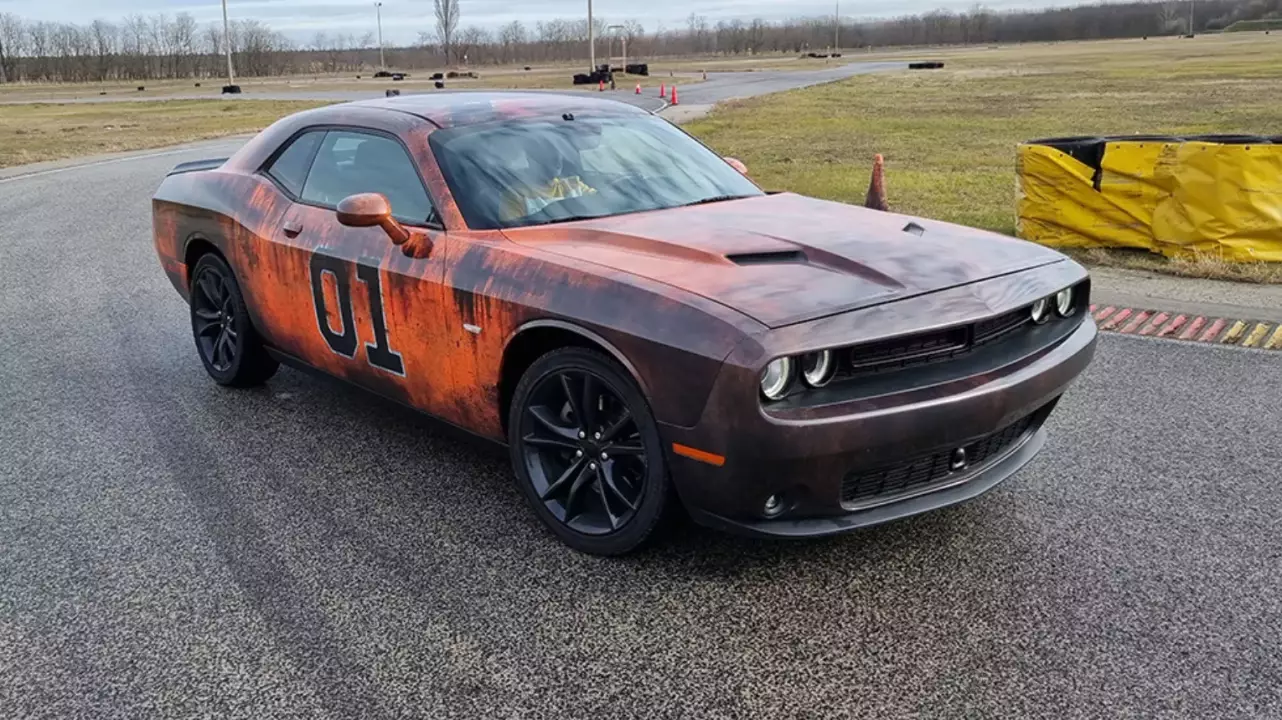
(931, 65)
(642, 69)
(1214, 194)
(602, 74)
(228, 89)
(392, 93)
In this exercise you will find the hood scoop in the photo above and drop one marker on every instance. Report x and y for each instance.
(778, 257)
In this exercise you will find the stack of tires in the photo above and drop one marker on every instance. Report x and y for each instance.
(602, 74)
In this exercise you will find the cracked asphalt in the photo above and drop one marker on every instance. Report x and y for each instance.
(169, 548)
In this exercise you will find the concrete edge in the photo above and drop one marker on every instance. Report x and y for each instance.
(1186, 307)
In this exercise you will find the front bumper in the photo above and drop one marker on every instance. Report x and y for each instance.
(815, 459)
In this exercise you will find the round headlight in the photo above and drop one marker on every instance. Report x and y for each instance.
(776, 378)
(1064, 302)
(1041, 311)
(817, 368)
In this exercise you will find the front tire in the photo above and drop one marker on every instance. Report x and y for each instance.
(587, 452)
(225, 338)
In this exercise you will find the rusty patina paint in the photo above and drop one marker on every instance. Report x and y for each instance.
(477, 278)
(693, 301)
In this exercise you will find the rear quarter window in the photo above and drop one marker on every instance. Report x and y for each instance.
(290, 167)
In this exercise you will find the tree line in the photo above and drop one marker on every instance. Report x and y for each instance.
(163, 46)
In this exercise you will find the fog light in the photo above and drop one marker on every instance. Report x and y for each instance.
(774, 506)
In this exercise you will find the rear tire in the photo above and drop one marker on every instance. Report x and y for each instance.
(226, 341)
(587, 454)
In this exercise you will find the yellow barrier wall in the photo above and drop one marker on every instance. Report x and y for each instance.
(1167, 197)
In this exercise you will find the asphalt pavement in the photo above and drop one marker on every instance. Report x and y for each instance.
(171, 548)
(718, 87)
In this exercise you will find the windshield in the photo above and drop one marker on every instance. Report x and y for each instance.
(534, 172)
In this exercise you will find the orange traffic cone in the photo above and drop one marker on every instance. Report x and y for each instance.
(638, 88)
(876, 198)
(662, 90)
(600, 86)
(674, 95)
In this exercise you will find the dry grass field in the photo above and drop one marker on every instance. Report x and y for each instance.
(37, 132)
(949, 135)
(543, 77)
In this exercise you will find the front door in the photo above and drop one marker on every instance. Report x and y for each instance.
(362, 306)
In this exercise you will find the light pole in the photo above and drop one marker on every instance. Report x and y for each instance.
(231, 80)
(378, 11)
(618, 29)
(591, 38)
(836, 30)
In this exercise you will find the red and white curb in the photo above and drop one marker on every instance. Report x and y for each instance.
(1190, 327)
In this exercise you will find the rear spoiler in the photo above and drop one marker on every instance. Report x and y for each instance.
(196, 165)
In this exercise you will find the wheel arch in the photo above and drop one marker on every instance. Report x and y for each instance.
(195, 247)
(536, 338)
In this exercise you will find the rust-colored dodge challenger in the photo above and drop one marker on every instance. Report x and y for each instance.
(636, 319)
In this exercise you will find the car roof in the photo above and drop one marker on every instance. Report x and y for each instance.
(455, 108)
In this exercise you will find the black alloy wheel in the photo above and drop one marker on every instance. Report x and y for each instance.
(214, 321)
(586, 451)
(225, 337)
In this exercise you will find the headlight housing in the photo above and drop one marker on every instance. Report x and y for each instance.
(1041, 311)
(817, 368)
(776, 378)
(1064, 302)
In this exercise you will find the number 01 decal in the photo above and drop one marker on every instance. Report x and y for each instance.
(380, 353)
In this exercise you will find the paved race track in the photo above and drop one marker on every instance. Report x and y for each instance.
(175, 549)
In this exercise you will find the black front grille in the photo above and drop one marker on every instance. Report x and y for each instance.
(926, 470)
(994, 328)
(923, 348)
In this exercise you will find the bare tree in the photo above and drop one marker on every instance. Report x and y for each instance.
(511, 37)
(12, 44)
(469, 38)
(447, 16)
(139, 47)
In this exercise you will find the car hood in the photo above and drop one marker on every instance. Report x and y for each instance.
(785, 258)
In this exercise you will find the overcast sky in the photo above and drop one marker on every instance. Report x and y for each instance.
(403, 19)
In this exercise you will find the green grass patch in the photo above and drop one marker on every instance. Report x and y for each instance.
(1255, 25)
(949, 136)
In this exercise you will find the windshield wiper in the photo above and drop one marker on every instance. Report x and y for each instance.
(714, 199)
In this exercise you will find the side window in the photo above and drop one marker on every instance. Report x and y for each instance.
(352, 162)
(290, 167)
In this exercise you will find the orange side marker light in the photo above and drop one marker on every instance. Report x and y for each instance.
(702, 456)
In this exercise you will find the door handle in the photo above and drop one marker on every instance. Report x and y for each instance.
(292, 228)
